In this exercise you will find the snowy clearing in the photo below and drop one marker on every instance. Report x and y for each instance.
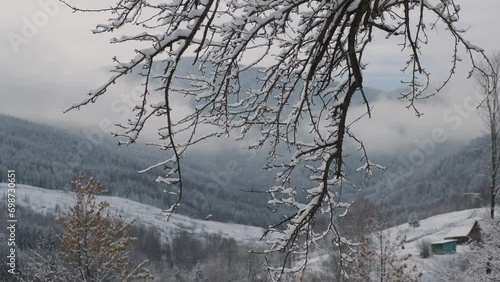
(44, 201)
(433, 229)
(436, 229)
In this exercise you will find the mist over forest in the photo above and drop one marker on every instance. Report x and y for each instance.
(250, 141)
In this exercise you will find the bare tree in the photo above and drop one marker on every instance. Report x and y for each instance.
(489, 111)
(94, 243)
(424, 247)
(313, 57)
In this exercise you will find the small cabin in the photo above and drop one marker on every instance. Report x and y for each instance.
(468, 231)
(444, 247)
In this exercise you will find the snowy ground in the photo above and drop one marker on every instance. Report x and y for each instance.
(44, 201)
(435, 229)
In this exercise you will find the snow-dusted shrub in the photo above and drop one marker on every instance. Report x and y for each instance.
(424, 248)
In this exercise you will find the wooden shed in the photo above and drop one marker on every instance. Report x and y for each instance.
(468, 231)
(444, 247)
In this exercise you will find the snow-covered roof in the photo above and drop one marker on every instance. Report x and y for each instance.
(443, 242)
(463, 230)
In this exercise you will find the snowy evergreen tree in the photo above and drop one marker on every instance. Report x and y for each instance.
(413, 220)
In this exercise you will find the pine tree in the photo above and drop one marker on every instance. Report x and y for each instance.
(95, 244)
(413, 220)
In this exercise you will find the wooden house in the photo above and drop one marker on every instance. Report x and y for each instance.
(444, 247)
(469, 231)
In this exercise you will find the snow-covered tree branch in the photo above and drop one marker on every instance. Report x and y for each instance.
(312, 57)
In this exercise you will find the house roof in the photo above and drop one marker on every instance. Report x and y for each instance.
(463, 230)
(443, 242)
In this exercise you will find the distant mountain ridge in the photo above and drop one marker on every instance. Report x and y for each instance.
(49, 157)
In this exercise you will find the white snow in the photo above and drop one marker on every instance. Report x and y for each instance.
(462, 230)
(443, 241)
(435, 229)
(44, 201)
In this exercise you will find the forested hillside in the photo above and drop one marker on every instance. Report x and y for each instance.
(455, 181)
(49, 157)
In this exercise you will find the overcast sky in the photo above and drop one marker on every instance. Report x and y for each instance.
(60, 60)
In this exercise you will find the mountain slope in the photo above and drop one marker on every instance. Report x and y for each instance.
(45, 201)
(432, 229)
(215, 182)
(452, 182)
(49, 157)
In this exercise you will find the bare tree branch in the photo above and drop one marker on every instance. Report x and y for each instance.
(299, 104)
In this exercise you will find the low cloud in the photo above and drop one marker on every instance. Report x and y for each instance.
(58, 64)
(394, 127)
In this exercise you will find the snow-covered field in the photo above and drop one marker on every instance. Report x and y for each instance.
(44, 201)
(435, 229)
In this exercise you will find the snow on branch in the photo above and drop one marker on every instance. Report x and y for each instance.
(299, 103)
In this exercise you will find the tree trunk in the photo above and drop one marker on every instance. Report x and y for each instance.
(493, 167)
